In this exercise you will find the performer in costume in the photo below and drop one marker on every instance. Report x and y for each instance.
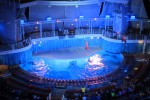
(123, 38)
(86, 45)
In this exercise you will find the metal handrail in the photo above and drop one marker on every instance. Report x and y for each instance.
(16, 45)
(106, 33)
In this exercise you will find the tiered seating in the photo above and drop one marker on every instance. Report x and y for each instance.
(129, 88)
(120, 84)
(34, 79)
(24, 84)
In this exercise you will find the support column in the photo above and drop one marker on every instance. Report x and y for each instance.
(53, 29)
(7, 24)
(91, 27)
(105, 23)
(79, 27)
(40, 30)
(22, 31)
(144, 45)
(141, 26)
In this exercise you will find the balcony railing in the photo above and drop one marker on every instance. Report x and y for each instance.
(16, 45)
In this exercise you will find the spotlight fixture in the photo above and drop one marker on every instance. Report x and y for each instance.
(76, 19)
(21, 21)
(95, 18)
(34, 42)
(140, 41)
(39, 44)
(132, 17)
(81, 17)
(107, 16)
(58, 20)
(49, 19)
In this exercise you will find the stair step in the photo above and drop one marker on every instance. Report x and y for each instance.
(57, 94)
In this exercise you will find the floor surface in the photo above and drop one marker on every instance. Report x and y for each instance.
(68, 53)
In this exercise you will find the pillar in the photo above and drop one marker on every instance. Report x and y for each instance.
(7, 22)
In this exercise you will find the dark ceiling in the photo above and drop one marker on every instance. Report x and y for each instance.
(25, 1)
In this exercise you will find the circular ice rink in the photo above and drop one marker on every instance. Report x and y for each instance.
(69, 64)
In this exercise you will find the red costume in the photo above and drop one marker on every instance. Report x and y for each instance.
(123, 39)
(86, 45)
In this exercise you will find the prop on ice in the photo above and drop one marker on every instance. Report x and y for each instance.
(95, 62)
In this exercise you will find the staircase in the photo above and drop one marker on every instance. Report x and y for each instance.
(57, 94)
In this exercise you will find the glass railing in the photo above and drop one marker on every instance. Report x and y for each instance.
(16, 45)
(107, 33)
(129, 36)
(82, 31)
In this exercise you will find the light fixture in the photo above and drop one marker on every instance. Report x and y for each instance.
(132, 17)
(140, 41)
(34, 42)
(81, 17)
(39, 44)
(21, 21)
(107, 16)
(49, 19)
(58, 20)
(136, 68)
(76, 19)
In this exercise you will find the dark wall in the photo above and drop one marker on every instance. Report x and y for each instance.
(41, 12)
(7, 23)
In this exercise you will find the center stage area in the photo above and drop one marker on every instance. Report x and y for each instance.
(73, 63)
(68, 53)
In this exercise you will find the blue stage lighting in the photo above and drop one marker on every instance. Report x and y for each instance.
(81, 17)
(95, 18)
(34, 42)
(40, 43)
(132, 17)
(49, 18)
(107, 16)
(21, 21)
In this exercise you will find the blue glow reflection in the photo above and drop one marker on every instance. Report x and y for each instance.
(100, 63)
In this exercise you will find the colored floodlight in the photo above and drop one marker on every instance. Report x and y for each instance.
(34, 42)
(21, 21)
(132, 17)
(76, 19)
(49, 19)
(107, 16)
(81, 17)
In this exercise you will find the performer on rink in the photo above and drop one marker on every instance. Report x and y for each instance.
(123, 38)
(86, 45)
